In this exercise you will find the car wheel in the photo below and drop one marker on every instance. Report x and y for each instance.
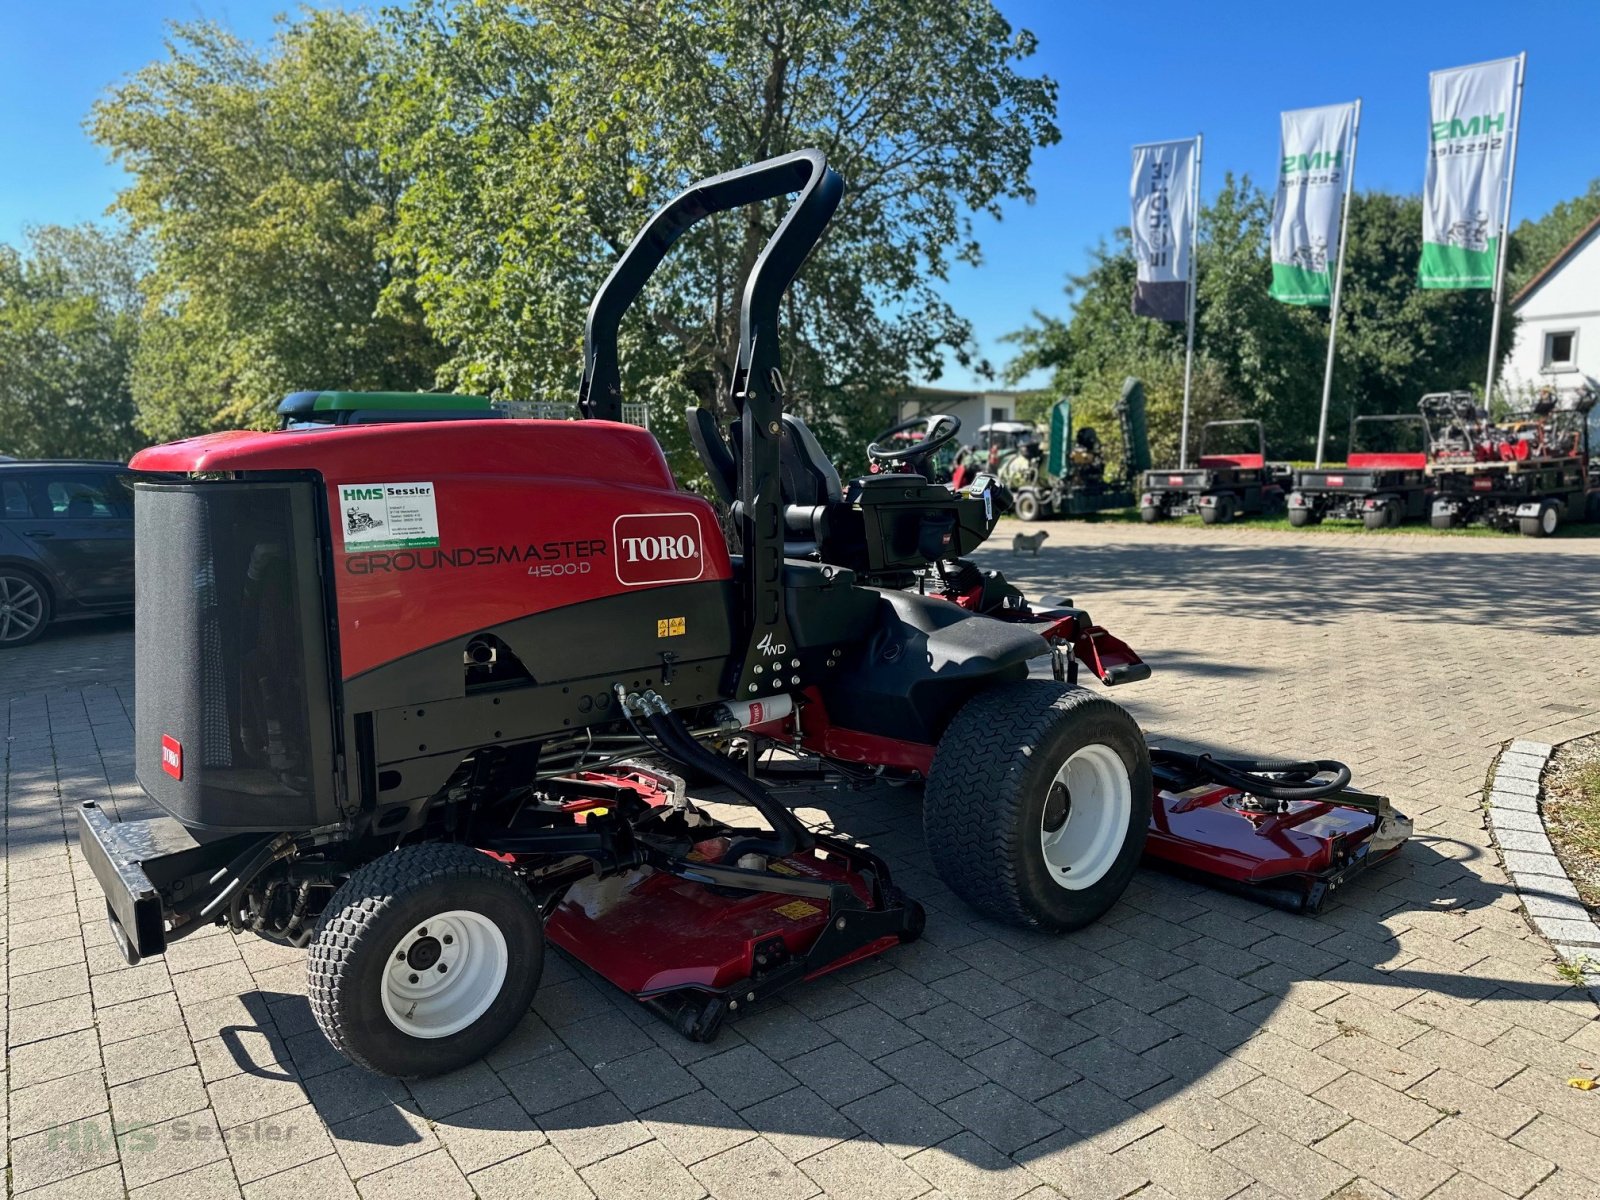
(1037, 804)
(424, 960)
(25, 607)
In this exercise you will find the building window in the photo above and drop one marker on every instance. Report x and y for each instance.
(998, 414)
(1561, 350)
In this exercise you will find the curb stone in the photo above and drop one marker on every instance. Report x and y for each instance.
(1547, 893)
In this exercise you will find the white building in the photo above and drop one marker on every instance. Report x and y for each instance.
(975, 409)
(1558, 323)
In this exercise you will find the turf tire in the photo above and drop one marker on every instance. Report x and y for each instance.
(1299, 517)
(364, 921)
(987, 789)
(1027, 506)
(1150, 515)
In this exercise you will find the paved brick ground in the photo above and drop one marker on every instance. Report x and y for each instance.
(1414, 1041)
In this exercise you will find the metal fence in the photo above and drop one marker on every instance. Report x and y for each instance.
(567, 410)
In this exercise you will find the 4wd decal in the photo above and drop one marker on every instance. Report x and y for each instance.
(388, 516)
(658, 548)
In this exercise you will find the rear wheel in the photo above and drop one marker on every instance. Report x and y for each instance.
(424, 960)
(1441, 520)
(1543, 525)
(24, 607)
(1299, 517)
(1150, 514)
(1375, 518)
(1027, 506)
(1219, 513)
(1037, 804)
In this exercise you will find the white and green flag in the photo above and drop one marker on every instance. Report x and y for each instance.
(1314, 156)
(1161, 195)
(1469, 142)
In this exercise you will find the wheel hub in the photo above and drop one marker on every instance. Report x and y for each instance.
(444, 973)
(1085, 819)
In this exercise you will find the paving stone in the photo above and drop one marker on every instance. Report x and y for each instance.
(1489, 1110)
(838, 1074)
(1118, 1071)
(152, 1153)
(1406, 1172)
(1041, 1027)
(1181, 1167)
(1571, 1148)
(541, 1173)
(593, 1129)
(901, 1120)
(862, 1170)
(699, 1125)
(1002, 1119)
(377, 1140)
(432, 1175)
(1491, 1159)
(46, 1105)
(967, 1166)
(744, 1076)
(1287, 1110)
(932, 1073)
(755, 1170)
(1082, 1170)
(64, 1151)
(870, 1031)
(956, 1029)
(646, 1172)
(1287, 1167)
(1287, 1062)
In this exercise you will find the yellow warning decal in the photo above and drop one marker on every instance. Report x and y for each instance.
(798, 910)
(672, 627)
(778, 866)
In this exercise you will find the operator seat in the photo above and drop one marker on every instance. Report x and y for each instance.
(811, 485)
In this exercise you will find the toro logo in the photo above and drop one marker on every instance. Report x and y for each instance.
(1335, 480)
(658, 548)
(1174, 480)
(172, 756)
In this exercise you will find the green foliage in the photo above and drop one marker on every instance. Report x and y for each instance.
(68, 329)
(256, 177)
(1535, 243)
(537, 137)
(1255, 357)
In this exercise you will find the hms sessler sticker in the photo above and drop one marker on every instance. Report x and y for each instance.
(387, 516)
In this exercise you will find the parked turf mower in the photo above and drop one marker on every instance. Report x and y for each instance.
(1072, 481)
(419, 696)
(1381, 482)
(1529, 472)
(1234, 478)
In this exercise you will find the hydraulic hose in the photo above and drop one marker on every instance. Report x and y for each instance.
(1268, 779)
(788, 834)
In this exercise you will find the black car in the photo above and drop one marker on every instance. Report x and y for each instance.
(66, 544)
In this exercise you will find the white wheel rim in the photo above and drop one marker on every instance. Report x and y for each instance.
(444, 973)
(1548, 519)
(1098, 803)
(21, 608)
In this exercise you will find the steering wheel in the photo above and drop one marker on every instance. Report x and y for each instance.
(939, 430)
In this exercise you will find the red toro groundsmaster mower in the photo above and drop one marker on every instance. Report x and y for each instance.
(419, 696)
(1381, 482)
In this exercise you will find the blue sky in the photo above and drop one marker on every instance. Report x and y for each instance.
(1128, 72)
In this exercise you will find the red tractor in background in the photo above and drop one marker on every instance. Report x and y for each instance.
(418, 696)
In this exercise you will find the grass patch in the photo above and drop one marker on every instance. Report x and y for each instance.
(1572, 814)
(1281, 523)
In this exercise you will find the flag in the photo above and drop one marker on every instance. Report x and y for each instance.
(1314, 156)
(1469, 141)
(1162, 196)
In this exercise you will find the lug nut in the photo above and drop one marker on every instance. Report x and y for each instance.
(413, 979)
(443, 967)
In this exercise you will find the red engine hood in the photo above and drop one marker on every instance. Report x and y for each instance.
(623, 454)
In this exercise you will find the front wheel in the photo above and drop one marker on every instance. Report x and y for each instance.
(1027, 506)
(24, 608)
(1543, 525)
(424, 960)
(1037, 804)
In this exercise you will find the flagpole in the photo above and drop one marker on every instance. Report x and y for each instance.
(1194, 256)
(1505, 232)
(1338, 283)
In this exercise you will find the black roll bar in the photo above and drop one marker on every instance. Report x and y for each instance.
(757, 387)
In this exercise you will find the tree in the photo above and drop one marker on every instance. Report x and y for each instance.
(538, 136)
(1535, 243)
(1255, 357)
(256, 177)
(69, 325)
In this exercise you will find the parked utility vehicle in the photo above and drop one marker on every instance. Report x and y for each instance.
(1234, 478)
(1381, 482)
